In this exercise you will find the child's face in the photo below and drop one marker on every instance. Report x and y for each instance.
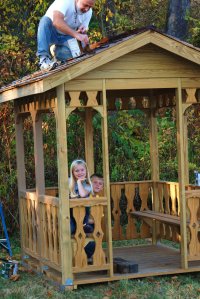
(97, 184)
(79, 172)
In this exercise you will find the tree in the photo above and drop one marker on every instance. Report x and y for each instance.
(177, 23)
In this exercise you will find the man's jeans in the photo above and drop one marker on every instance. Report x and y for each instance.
(47, 35)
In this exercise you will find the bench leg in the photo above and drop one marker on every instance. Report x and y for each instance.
(154, 232)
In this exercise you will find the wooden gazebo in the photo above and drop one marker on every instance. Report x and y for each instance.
(147, 70)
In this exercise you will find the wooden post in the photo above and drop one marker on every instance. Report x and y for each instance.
(185, 138)
(89, 144)
(106, 175)
(154, 155)
(181, 176)
(39, 171)
(21, 178)
(64, 211)
(38, 152)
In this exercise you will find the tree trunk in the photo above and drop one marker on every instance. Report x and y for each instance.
(177, 24)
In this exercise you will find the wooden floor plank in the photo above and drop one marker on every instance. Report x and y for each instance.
(152, 260)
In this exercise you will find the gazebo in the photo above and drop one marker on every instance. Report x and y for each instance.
(147, 70)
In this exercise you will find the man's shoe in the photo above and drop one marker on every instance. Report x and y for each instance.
(47, 65)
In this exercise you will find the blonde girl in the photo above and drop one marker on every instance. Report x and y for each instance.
(80, 184)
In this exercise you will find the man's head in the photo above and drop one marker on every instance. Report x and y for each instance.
(97, 183)
(83, 6)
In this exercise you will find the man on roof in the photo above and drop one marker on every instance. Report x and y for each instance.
(64, 20)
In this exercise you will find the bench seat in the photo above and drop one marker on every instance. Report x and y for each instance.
(165, 218)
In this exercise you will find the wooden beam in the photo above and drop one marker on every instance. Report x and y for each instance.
(107, 176)
(175, 47)
(89, 144)
(143, 83)
(181, 175)
(39, 172)
(21, 178)
(21, 91)
(38, 152)
(185, 139)
(80, 85)
(154, 155)
(146, 83)
(64, 213)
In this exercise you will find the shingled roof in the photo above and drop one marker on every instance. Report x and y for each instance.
(106, 52)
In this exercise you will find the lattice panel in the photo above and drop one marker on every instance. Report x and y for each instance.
(126, 198)
(81, 239)
(29, 224)
(168, 199)
(50, 249)
(193, 205)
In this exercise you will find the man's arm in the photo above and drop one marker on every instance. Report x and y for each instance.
(60, 24)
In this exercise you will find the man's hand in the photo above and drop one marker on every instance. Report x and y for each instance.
(82, 38)
(82, 29)
(59, 23)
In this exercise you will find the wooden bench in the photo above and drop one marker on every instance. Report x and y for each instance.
(165, 218)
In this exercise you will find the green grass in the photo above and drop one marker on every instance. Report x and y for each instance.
(33, 286)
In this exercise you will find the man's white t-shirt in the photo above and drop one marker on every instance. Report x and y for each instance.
(72, 18)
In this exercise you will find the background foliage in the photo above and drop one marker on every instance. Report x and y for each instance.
(128, 131)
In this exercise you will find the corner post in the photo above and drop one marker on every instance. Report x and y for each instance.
(185, 132)
(107, 175)
(89, 144)
(39, 171)
(38, 152)
(181, 176)
(64, 207)
(154, 167)
(21, 178)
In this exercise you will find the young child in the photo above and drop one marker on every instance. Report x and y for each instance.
(97, 184)
(80, 186)
(79, 183)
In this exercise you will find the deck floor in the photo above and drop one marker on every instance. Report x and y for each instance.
(152, 260)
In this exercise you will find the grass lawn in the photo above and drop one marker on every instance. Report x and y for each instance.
(32, 286)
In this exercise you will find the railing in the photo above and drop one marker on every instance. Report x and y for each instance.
(193, 208)
(81, 239)
(168, 202)
(40, 228)
(125, 198)
(40, 223)
(40, 231)
(49, 228)
(29, 227)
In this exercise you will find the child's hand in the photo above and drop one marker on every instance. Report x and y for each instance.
(81, 180)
